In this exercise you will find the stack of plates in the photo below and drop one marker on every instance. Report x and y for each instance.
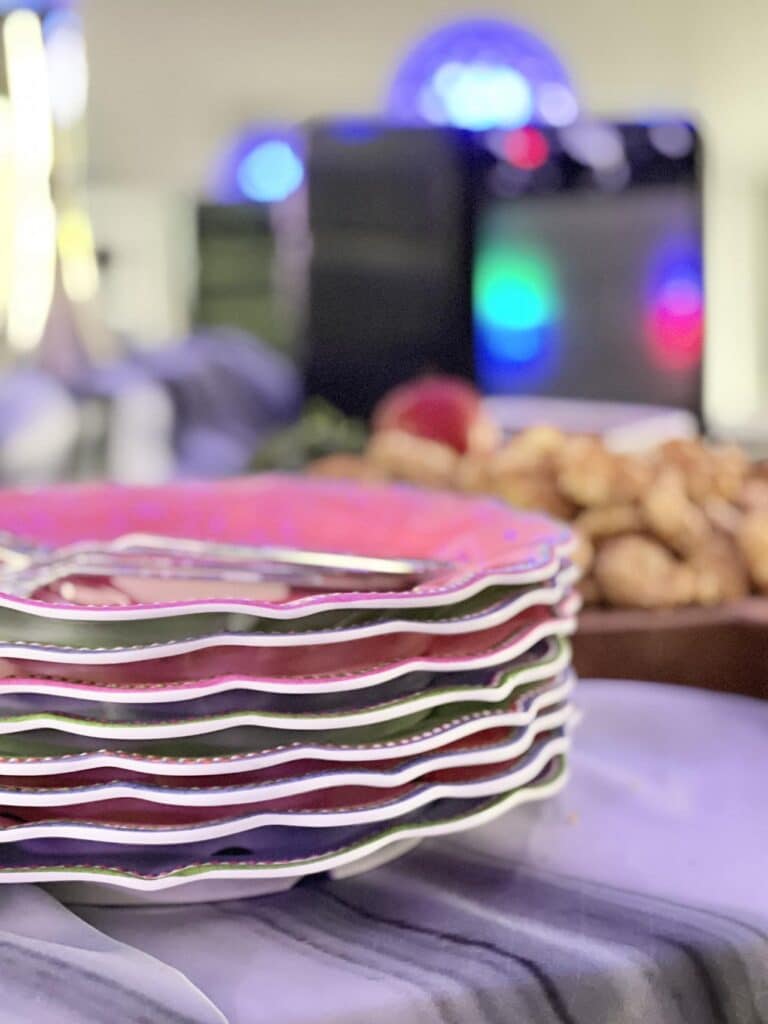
(229, 713)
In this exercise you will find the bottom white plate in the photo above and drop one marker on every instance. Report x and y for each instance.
(216, 889)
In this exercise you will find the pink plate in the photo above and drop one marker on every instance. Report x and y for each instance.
(481, 542)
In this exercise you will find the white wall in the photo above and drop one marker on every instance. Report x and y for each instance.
(171, 79)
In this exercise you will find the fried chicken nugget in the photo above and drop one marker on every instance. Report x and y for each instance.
(689, 457)
(753, 496)
(530, 451)
(730, 469)
(588, 483)
(590, 475)
(723, 515)
(609, 520)
(753, 543)
(635, 571)
(708, 470)
(671, 515)
(585, 472)
(473, 474)
(634, 475)
(583, 553)
(535, 491)
(346, 467)
(538, 441)
(417, 460)
(719, 571)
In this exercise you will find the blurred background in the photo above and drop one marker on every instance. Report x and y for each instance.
(212, 212)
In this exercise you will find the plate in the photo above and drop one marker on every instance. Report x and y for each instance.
(313, 668)
(30, 695)
(487, 608)
(135, 873)
(480, 542)
(140, 821)
(442, 728)
(532, 713)
(277, 694)
(474, 615)
(244, 739)
(136, 722)
(207, 890)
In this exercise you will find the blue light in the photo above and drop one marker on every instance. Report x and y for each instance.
(678, 257)
(516, 361)
(270, 172)
(481, 96)
(262, 164)
(513, 345)
(481, 74)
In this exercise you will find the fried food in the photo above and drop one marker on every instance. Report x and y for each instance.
(535, 491)
(587, 473)
(686, 523)
(346, 467)
(636, 571)
(708, 470)
(609, 520)
(753, 544)
(416, 460)
(720, 573)
(671, 515)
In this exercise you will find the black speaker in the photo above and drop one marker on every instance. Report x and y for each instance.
(389, 287)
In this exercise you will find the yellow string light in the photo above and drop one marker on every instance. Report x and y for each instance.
(33, 248)
(6, 205)
(79, 269)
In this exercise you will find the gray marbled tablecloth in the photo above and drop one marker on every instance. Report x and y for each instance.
(640, 894)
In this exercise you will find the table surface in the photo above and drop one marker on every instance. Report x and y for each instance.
(637, 895)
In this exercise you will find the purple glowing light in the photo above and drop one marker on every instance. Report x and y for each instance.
(481, 74)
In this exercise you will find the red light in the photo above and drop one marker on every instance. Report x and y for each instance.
(526, 148)
(675, 325)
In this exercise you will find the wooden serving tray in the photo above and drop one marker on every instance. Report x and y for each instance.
(723, 648)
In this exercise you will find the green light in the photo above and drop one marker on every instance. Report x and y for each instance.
(514, 288)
